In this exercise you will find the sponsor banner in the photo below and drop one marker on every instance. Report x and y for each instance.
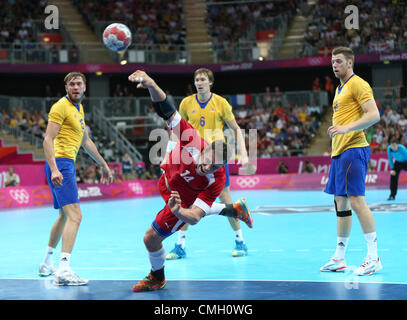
(322, 164)
(315, 181)
(34, 175)
(29, 196)
(190, 68)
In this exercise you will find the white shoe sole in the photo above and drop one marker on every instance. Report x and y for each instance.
(69, 283)
(379, 267)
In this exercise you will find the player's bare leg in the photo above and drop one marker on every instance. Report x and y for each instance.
(64, 276)
(343, 227)
(47, 267)
(372, 262)
(155, 280)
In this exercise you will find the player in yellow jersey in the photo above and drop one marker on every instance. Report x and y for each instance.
(66, 133)
(208, 112)
(354, 109)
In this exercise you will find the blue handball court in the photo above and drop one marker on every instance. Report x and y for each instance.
(294, 234)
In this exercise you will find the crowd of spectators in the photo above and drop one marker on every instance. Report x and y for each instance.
(234, 24)
(152, 22)
(16, 25)
(382, 27)
(282, 130)
(393, 124)
(34, 122)
(21, 23)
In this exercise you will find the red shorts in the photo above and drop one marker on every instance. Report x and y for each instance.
(166, 223)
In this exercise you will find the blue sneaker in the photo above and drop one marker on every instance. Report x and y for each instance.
(176, 253)
(240, 249)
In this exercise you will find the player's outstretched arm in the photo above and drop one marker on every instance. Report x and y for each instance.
(164, 108)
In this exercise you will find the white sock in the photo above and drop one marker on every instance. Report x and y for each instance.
(182, 238)
(239, 235)
(157, 259)
(371, 241)
(215, 209)
(48, 260)
(341, 245)
(64, 261)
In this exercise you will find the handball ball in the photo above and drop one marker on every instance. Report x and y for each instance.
(117, 37)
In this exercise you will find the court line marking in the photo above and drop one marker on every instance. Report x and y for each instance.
(220, 280)
(205, 251)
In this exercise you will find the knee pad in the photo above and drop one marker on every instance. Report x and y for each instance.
(345, 213)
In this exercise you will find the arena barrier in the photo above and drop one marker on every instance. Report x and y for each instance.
(379, 162)
(33, 175)
(32, 196)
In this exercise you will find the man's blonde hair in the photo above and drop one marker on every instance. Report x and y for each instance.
(207, 72)
(75, 74)
(347, 52)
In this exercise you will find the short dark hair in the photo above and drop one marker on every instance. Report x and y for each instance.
(394, 140)
(222, 154)
(75, 74)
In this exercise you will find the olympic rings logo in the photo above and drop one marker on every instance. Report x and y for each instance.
(247, 182)
(20, 195)
(136, 188)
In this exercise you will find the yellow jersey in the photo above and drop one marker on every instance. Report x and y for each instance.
(349, 97)
(72, 121)
(208, 117)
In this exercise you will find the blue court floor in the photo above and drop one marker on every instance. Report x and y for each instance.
(294, 234)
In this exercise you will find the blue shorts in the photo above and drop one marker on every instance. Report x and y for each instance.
(347, 174)
(68, 192)
(227, 183)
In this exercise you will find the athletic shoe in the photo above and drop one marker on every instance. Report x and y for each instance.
(334, 266)
(46, 270)
(149, 283)
(240, 249)
(391, 197)
(243, 212)
(68, 278)
(176, 253)
(368, 267)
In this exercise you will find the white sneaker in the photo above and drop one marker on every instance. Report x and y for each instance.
(68, 278)
(334, 266)
(368, 267)
(46, 270)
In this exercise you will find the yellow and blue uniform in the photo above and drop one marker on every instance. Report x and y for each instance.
(208, 118)
(71, 118)
(350, 151)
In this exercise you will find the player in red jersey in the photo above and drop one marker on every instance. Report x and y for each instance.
(192, 180)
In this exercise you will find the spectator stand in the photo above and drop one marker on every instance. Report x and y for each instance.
(248, 30)
(382, 26)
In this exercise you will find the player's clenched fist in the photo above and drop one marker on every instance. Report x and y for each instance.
(144, 81)
(174, 202)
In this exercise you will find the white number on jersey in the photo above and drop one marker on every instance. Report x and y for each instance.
(186, 178)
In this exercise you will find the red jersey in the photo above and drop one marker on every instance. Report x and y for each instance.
(180, 169)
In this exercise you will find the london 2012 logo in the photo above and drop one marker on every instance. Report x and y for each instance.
(20, 195)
